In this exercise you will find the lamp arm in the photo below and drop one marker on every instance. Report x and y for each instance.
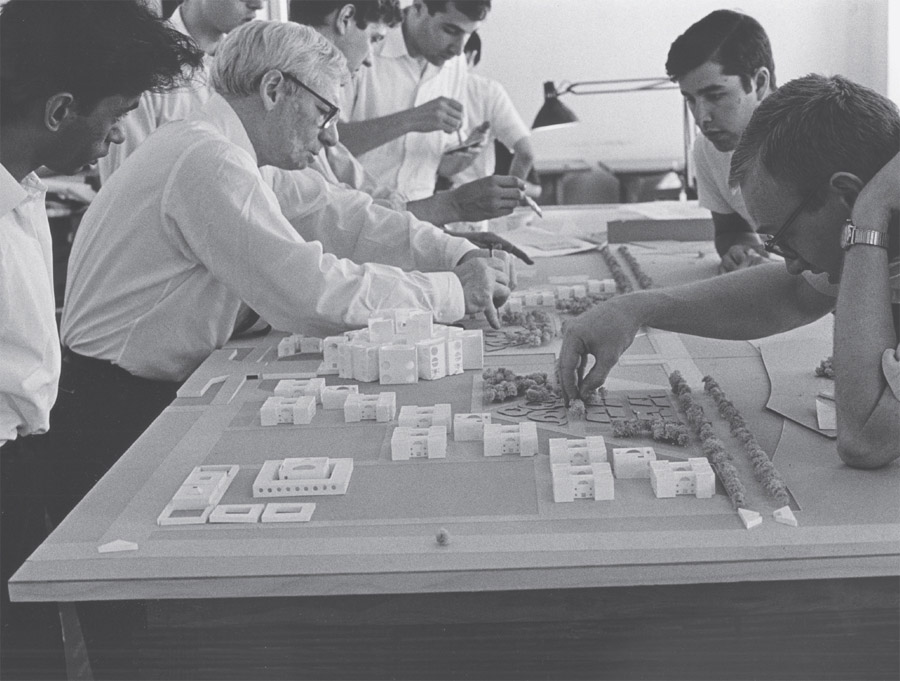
(602, 87)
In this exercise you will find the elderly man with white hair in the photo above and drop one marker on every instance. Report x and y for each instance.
(187, 234)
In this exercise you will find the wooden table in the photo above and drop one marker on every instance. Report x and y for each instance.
(633, 588)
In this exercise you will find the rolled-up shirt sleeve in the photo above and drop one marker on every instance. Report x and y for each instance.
(247, 244)
(890, 366)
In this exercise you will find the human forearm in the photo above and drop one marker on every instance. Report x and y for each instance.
(751, 303)
(438, 209)
(362, 136)
(523, 159)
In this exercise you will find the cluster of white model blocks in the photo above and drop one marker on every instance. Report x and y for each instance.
(277, 410)
(547, 297)
(520, 439)
(694, 477)
(301, 387)
(632, 462)
(381, 407)
(303, 476)
(579, 470)
(402, 346)
(419, 443)
(298, 343)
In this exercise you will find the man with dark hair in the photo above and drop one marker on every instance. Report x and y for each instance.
(819, 165)
(354, 28)
(406, 110)
(205, 22)
(69, 71)
(724, 67)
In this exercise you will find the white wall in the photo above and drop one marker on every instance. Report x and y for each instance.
(526, 42)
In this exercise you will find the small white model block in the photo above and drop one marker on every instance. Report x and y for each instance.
(365, 361)
(298, 387)
(785, 516)
(609, 285)
(520, 439)
(564, 292)
(181, 516)
(236, 513)
(454, 357)
(381, 329)
(750, 518)
(288, 512)
(678, 478)
(197, 495)
(633, 462)
(579, 291)
(594, 286)
(304, 468)
(331, 354)
(578, 452)
(548, 298)
(357, 336)
(469, 427)
(472, 348)
(417, 443)
(418, 325)
(412, 416)
(381, 407)
(290, 345)
(296, 410)
(593, 481)
(310, 344)
(334, 396)
(345, 360)
(397, 364)
(267, 483)
(432, 358)
(117, 546)
(532, 298)
(515, 303)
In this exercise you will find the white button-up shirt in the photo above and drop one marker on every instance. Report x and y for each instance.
(29, 342)
(187, 229)
(395, 82)
(339, 166)
(157, 108)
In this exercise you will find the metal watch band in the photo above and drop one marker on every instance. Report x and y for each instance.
(853, 235)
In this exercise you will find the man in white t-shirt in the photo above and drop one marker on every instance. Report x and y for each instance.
(407, 109)
(488, 105)
(724, 67)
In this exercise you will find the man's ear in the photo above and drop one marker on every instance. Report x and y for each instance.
(845, 187)
(345, 16)
(57, 109)
(762, 81)
(271, 88)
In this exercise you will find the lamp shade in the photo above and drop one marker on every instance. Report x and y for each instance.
(553, 113)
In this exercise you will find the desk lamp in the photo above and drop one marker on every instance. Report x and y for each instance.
(555, 114)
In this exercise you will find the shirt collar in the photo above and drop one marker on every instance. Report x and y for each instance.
(218, 112)
(176, 21)
(13, 194)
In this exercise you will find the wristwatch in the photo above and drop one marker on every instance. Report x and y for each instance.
(852, 235)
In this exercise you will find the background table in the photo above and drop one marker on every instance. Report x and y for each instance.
(637, 587)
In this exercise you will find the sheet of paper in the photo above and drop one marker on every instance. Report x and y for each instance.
(669, 210)
(542, 243)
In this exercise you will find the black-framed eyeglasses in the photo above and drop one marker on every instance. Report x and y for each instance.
(332, 116)
(774, 244)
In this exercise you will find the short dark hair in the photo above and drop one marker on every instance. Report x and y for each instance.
(476, 10)
(314, 12)
(473, 44)
(816, 126)
(736, 41)
(90, 48)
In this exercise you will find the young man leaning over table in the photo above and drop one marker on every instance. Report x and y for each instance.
(355, 28)
(819, 168)
(724, 67)
(186, 234)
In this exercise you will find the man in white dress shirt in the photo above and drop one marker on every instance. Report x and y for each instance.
(68, 72)
(405, 111)
(724, 67)
(187, 233)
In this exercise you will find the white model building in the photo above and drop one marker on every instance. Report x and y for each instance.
(676, 478)
(520, 439)
(593, 481)
(418, 443)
